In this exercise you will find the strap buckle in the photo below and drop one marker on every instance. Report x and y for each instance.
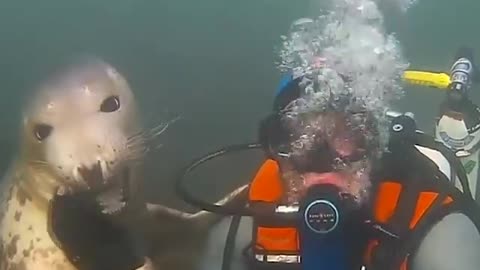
(278, 258)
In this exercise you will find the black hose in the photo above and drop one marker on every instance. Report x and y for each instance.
(236, 213)
(409, 134)
(183, 192)
(229, 249)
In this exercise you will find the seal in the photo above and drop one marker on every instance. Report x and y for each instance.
(81, 132)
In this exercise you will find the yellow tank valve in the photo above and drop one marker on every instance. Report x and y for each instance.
(424, 78)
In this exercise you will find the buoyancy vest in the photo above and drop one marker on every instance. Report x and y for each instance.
(403, 211)
(273, 241)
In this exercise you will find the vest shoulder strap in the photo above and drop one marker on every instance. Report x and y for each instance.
(401, 223)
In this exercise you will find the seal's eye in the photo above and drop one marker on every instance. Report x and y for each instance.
(110, 104)
(42, 131)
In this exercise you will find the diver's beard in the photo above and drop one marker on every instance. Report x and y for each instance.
(353, 180)
(357, 181)
(293, 184)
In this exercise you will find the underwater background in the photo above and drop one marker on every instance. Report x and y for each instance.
(211, 62)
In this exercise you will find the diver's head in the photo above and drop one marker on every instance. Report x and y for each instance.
(335, 144)
(328, 147)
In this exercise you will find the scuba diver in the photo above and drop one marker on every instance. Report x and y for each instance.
(458, 121)
(358, 206)
(413, 217)
(275, 244)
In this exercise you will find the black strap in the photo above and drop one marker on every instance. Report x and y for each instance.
(414, 237)
(416, 176)
(411, 170)
(90, 239)
(393, 249)
(406, 205)
(416, 173)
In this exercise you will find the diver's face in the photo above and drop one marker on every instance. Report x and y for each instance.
(329, 148)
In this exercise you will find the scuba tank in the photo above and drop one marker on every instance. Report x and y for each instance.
(459, 119)
(458, 122)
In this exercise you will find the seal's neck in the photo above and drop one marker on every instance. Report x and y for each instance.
(37, 185)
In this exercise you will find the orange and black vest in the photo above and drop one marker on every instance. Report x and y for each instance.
(402, 214)
(382, 249)
(273, 242)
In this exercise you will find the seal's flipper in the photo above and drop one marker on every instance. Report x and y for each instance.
(161, 219)
(173, 235)
(235, 199)
(202, 220)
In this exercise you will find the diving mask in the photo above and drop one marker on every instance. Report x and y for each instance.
(326, 143)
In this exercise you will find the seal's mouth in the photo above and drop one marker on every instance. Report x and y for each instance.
(111, 193)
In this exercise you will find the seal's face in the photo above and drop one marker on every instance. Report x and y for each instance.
(82, 126)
